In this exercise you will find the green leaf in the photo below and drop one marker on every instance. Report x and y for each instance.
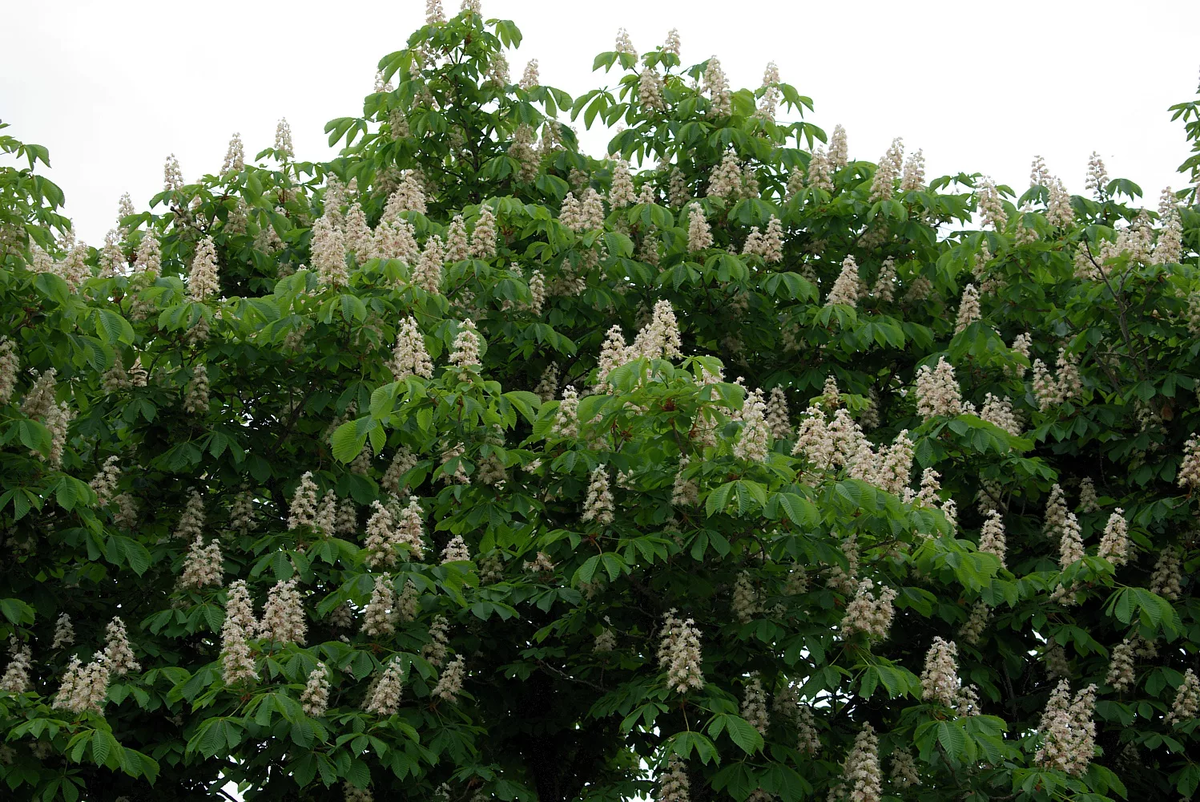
(718, 499)
(743, 734)
(136, 556)
(16, 611)
(101, 747)
(112, 328)
(684, 743)
(587, 571)
(347, 443)
(35, 437)
(353, 309)
(952, 739)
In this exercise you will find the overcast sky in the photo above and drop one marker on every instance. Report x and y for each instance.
(112, 87)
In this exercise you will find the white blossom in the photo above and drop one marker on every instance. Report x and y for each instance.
(1114, 545)
(1187, 701)
(202, 280)
(939, 680)
(467, 346)
(303, 509)
(378, 622)
(409, 357)
(384, 700)
(64, 632)
(847, 288)
(1121, 674)
(598, 506)
(283, 618)
(315, 698)
(202, 566)
(755, 440)
(679, 653)
(449, 684)
(937, 391)
(236, 660)
(1067, 730)
(20, 663)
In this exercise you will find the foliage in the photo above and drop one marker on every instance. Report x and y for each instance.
(559, 615)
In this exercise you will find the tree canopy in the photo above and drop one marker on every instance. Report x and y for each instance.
(468, 466)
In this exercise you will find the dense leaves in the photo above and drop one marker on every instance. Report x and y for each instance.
(522, 555)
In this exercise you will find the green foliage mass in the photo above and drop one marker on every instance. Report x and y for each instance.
(225, 400)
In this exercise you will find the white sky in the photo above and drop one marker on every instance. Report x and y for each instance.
(112, 87)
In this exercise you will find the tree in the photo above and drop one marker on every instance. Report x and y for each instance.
(468, 466)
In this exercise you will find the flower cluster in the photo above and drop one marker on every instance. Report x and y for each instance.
(992, 537)
(819, 174)
(10, 367)
(450, 683)
(1189, 470)
(660, 338)
(1067, 731)
(883, 184)
(973, 627)
(999, 411)
(20, 662)
(202, 281)
(1070, 547)
(867, 614)
(679, 653)
(283, 618)
(379, 619)
(847, 287)
(754, 705)
(1060, 387)
(1056, 513)
(195, 395)
(439, 640)
(1167, 579)
(64, 632)
(456, 551)
(861, 769)
(939, 680)
(745, 598)
(1121, 666)
(904, 769)
(673, 784)
(410, 529)
(303, 509)
(991, 209)
(202, 566)
(583, 214)
(236, 661)
(381, 537)
(315, 698)
(1097, 175)
(409, 358)
(1114, 546)
(598, 506)
(699, 234)
(1187, 701)
(755, 441)
(913, 178)
(384, 700)
(84, 687)
(937, 391)
(717, 88)
(467, 346)
(104, 483)
(968, 308)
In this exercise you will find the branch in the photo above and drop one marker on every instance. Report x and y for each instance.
(1121, 307)
(569, 678)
